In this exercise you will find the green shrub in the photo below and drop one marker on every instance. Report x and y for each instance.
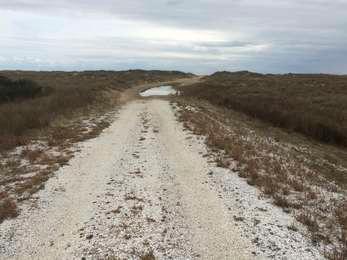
(11, 90)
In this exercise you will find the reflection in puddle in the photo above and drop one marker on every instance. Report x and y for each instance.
(159, 91)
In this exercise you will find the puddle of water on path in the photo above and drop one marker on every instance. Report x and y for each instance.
(159, 91)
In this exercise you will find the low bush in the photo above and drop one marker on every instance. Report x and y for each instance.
(18, 89)
(8, 209)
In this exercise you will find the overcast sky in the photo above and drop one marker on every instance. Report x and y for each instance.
(200, 36)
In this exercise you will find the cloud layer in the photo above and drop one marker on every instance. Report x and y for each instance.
(200, 36)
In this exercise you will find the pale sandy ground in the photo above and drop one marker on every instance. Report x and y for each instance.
(145, 184)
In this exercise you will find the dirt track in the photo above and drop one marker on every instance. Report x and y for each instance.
(143, 185)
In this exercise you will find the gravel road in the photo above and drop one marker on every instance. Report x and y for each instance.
(147, 185)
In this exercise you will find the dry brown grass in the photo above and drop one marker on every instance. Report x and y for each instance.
(314, 105)
(310, 220)
(32, 184)
(341, 213)
(221, 161)
(236, 152)
(289, 177)
(8, 207)
(9, 141)
(69, 93)
(148, 256)
(340, 254)
(281, 201)
(32, 155)
(17, 118)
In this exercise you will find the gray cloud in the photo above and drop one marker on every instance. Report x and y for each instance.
(197, 35)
